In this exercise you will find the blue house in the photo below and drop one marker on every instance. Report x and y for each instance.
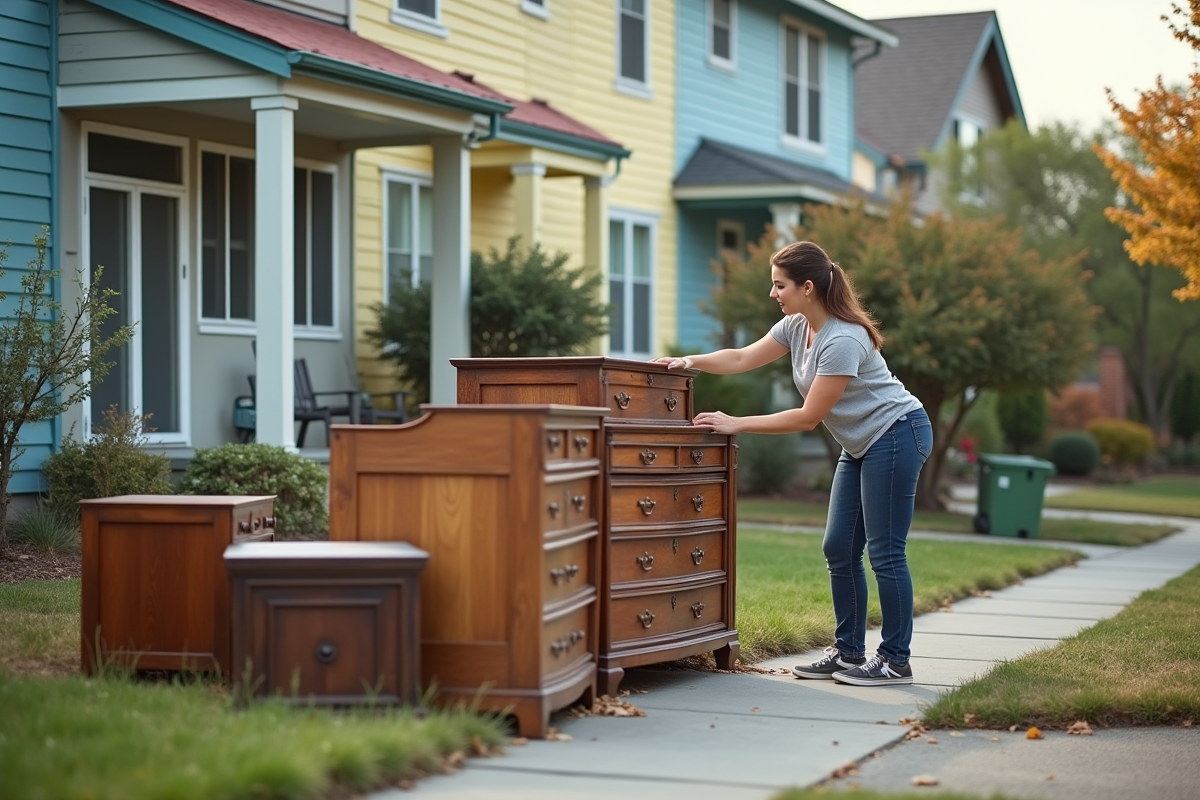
(765, 123)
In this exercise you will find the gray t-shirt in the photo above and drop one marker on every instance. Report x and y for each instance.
(874, 397)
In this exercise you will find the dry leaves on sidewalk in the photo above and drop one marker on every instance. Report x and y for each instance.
(915, 729)
(605, 706)
(924, 780)
(1033, 733)
(1079, 728)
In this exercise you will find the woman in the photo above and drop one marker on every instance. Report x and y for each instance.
(885, 435)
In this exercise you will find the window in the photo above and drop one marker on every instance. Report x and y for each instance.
(227, 283)
(803, 81)
(630, 285)
(408, 237)
(731, 238)
(721, 34)
(421, 15)
(631, 41)
(536, 7)
(968, 133)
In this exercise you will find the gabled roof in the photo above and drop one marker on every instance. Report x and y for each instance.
(840, 16)
(719, 169)
(904, 96)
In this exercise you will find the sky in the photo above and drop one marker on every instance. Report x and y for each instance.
(1065, 53)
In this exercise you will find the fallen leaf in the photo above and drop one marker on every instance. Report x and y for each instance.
(754, 708)
(555, 735)
(907, 721)
(955, 733)
(478, 748)
(1187, 723)
(1049, 777)
(877, 754)
(931, 740)
(520, 741)
(453, 761)
(1033, 733)
(1012, 728)
(924, 780)
(995, 738)
(1079, 728)
(881, 722)
(968, 718)
(849, 768)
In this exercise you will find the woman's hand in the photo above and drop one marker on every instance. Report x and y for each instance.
(674, 362)
(719, 421)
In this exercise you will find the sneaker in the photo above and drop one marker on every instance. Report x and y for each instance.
(824, 668)
(878, 671)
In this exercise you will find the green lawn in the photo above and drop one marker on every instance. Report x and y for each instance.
(114, 737)
(1141, 667)
(1178, 495)
(783, 601)
(797, 512)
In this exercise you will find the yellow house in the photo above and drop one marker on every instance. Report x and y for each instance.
(583, 164)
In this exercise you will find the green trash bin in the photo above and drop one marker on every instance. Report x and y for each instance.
(1011, 489)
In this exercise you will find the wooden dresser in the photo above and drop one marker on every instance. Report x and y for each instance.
(505, 499)
(155, 592)
(668, 554)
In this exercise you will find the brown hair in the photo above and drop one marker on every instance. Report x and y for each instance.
(806, 261)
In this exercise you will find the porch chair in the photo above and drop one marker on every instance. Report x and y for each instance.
(307, 408)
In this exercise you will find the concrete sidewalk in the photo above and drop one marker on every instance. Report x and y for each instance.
(748, 735)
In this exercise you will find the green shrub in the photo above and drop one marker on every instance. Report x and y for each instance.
(112, 462)
(1075, 453)
(1022, 417)
(1123, 443)
(299, 485)
(46, 529)
(767, 463)
(981, 425)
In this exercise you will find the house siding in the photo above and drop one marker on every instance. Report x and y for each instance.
(27, 136)
(980, 101)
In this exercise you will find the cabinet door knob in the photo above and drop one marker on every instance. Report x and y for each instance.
(326, 653)
(647, 506)
(581, 443)
(268, 522)
(646, 560)
(648, 456)
(579, 501)
(553, 509)
(671, 401)
(553, 441)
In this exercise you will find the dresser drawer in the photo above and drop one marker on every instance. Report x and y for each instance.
(635, 449)
(570, 444)
(665, 556)
(635, 395)
(568, 503)
(665, 613)
(565, 636)
(567, 565)
(666, 501)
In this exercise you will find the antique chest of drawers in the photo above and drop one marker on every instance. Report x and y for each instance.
(154, 590)
(668, 518)
(327, 623)
(505, 499)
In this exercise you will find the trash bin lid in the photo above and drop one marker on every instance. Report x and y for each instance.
(1016, 462)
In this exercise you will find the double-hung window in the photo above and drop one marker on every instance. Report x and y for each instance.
(632, 44)
(630, 284)
(722, 27)
(421, 15)
(227, 283)
(408, 233)
(803, 86)
(967, 133)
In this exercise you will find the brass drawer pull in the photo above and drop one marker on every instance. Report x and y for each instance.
(646, 560)
(671, 401)
(577, 636)
(697, 556)
(326, 653)
(647, 506)
(698, 502)
(646, 618)
(581, 443)
(564, 644)
(649, 378)
(648, 456)
(553, 509)
(623, 400)
(579, 501)
(697, 456)
(553, 441)
(567, 573)
(675, 544)
(697, 609)
(674, 601)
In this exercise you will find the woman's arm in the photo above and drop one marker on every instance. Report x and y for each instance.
(728, 362)
(824, 394)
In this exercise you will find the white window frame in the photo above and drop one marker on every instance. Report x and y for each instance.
(714, 60)
(629, 218)
(239, 327)
(135, 186)
(967, 195)
(625, 85)
(536, 8)
(738, 228)
(802, 142)
(419, 22)
(415, 181)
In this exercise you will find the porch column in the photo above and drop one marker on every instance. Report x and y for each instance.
(527, 192)
(274, 288)
(451, 282)
(785, 217)
(595, 239)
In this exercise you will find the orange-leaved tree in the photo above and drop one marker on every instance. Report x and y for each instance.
(1163, 186)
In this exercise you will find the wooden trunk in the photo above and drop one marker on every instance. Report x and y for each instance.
(155, 593)
(327, 623)
(505, 501)
(668, 551)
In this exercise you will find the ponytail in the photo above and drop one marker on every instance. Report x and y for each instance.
(806, 261)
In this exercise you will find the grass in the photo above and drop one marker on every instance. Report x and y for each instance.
(46, 530)
(1178, 495)
(1141, 667)
(39, 627)
(809, 514)
(784, 605)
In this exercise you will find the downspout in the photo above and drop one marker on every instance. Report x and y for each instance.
(609, 180)
(867, 57)
(493, 130)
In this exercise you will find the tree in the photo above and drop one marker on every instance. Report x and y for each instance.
(1022, 417)
(523, 303)
(964, 308)
(1162, 215)
(49, 359)
(1052, 186)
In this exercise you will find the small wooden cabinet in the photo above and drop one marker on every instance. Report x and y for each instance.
(328, 623)
(154, 590)
(668, 518)
(505, 499)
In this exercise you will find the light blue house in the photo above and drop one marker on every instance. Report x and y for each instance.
(765, 124)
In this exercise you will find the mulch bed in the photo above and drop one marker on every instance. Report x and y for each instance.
(28, 563)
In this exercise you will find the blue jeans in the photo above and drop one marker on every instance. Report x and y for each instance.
(871, 507)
